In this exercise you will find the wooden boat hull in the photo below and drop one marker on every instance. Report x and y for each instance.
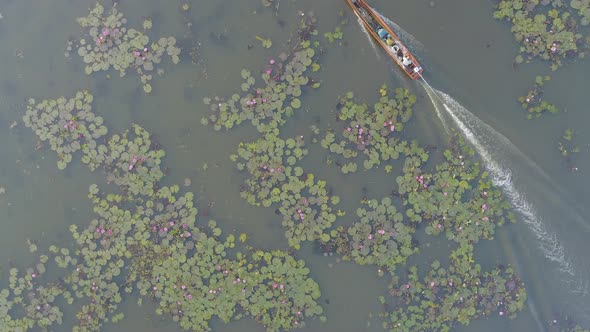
(394, 47)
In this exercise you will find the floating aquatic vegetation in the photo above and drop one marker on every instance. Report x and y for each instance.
(269, 161)
(306, 207)
(533, 102)
(583, 8)
(266, 42)
(548, 34)
(35, 299)
(380, 237)
(444, 297)
(285, 294)
(147, 236)
(267, 107)
(375, 134)
(337, 34)
(274, 178)
(111, 44)
(69, 125)
(458, 198)
(130, 161)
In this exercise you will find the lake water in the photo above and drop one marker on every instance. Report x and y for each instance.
(467, 54)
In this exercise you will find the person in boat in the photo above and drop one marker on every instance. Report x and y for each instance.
(406, 61)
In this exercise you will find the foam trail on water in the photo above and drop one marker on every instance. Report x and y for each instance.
(371, 41)
(502, 177)
(499, 146)
(431, 95)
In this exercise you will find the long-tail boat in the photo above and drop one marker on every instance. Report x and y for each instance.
(386, 38)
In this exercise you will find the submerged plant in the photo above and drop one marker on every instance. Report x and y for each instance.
(109, 43)
(567, 147)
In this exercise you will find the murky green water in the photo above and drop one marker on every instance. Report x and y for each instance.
(466, 54)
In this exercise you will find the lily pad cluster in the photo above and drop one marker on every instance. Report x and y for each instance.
(533, 102)
(374, 134)
(37, 299)
(544, 29)
(274, 178)
(380, 236)
(267, 107)
(130, 161)
(444, 297)
(69, 125)
(458, 198)
(110, 44)
(269, 162)
(260, 287)
(145, 238)
(583, 8)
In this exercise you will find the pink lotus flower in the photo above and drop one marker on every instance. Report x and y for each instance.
(370, 237)
(381, 231)
(272, 61)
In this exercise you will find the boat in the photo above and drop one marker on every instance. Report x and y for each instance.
(386, 38)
